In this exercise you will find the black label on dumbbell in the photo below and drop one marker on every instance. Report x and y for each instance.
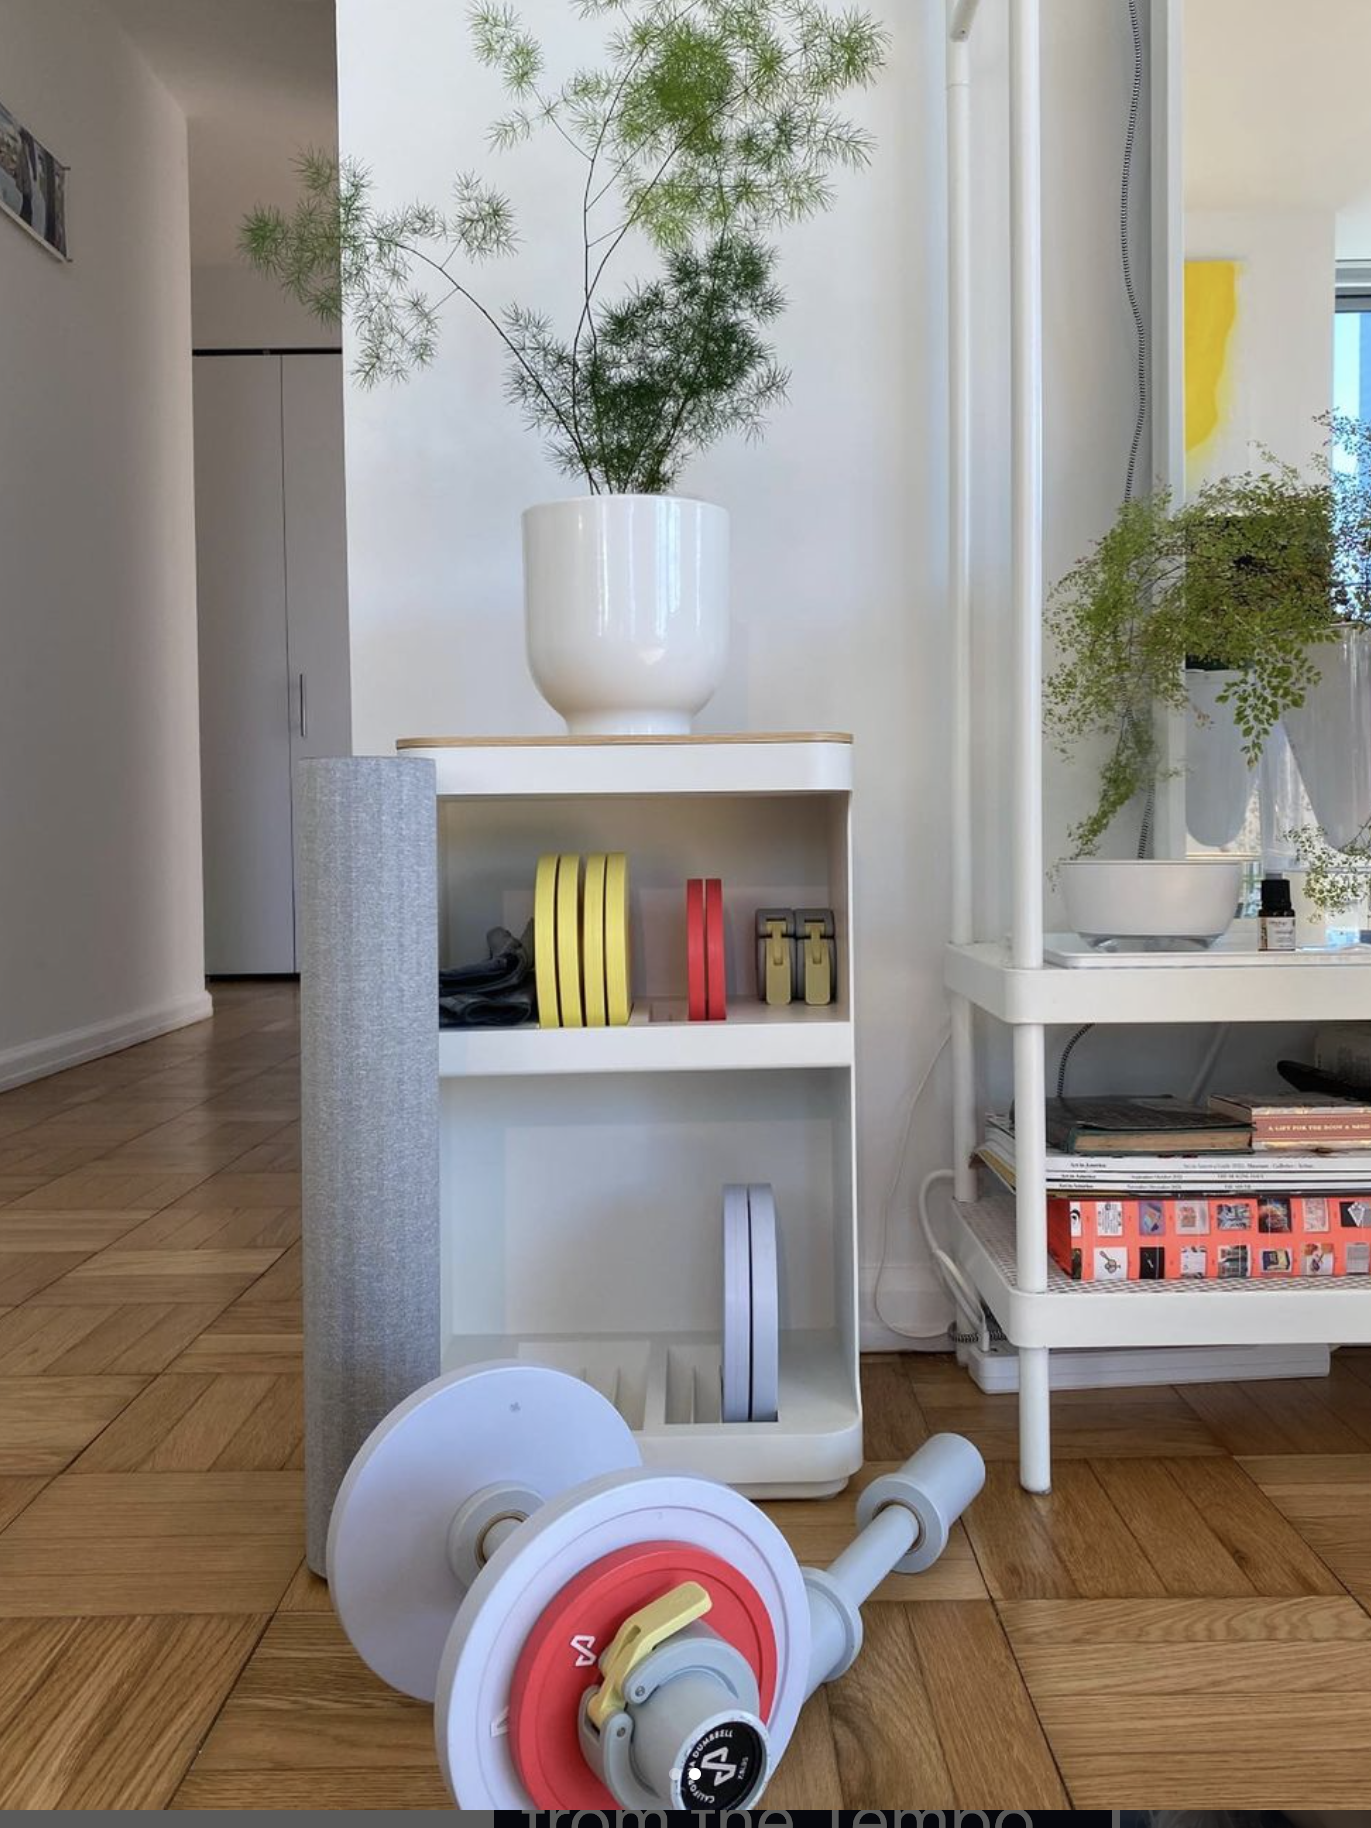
(723, 1767)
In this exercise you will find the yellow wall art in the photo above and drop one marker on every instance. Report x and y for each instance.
(1212, 306)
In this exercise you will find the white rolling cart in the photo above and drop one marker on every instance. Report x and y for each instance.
(582, 1170)
(1001, 1242)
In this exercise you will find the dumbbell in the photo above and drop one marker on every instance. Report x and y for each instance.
(593, 1633)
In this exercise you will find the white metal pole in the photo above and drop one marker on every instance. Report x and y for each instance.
(1035, 1420)
(959, 470)
(1026, 457)
(1030, 1239)
(1026, 448)
(960, 16)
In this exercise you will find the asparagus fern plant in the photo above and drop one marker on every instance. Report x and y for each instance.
(707, 126)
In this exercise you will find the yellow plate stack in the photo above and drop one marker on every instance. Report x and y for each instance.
(581, 941)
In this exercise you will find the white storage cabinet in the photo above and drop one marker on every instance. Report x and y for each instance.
(582, 1169)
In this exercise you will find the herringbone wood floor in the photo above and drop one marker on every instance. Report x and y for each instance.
(1183, 1622)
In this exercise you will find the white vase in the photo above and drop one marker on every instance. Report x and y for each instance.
(1331, 735)
(626, 610)
(1218, 776)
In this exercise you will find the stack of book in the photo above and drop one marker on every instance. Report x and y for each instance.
(1298, 1120)
(1160, 1239)
(1155, 1190)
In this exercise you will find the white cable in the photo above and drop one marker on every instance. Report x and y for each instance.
(964, 1296)
(959, 1289)
(1205, 1071)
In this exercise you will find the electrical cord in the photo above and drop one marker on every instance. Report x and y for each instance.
(1143, 364)
(1067, 1051)
(1143, 373)
(1126, 258)
(962, 1293)
(964, 1297)
(1205, 1070)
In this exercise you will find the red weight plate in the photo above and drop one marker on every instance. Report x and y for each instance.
(696, 1005)
(560, 1659)
(716, 994)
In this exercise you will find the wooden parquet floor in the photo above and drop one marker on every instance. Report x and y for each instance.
(1185, 1621)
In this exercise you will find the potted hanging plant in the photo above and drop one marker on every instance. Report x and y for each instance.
(1217, 608)
(706, 126)
(1258, 566)
(1330, 728)
(1220, 605)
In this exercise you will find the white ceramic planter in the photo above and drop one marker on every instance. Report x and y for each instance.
(1218, 776)
(1151, 900)
(626, 610)
(1331, 735)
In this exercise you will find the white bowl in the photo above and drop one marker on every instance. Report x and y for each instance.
(1151, 901)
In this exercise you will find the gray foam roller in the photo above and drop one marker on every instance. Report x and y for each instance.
(369, 1106)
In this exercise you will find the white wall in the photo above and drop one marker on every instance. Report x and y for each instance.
(100, 914)
(1275, 110)
(235, 307)
(1284, 357)
(838, 519)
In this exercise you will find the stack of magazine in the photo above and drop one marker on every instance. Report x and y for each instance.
(1154, 1190)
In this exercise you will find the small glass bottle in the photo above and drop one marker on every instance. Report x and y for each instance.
(1277, 915)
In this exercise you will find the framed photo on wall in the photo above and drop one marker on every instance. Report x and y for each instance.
(33, 185)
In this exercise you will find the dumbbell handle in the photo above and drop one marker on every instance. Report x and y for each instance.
(906, 1517)
(871, 1554)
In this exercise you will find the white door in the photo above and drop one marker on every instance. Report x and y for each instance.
(245, 683)
(316, 559)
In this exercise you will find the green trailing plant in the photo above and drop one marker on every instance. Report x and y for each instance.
(707, 126)
(1336, 877)
(1249, 574)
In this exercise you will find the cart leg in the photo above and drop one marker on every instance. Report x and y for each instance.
(1030, 1251)
(1035, 1420)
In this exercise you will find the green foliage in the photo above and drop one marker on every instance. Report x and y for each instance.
(674, 366)
(1336, 878)
(1248, 574)
(708, 125)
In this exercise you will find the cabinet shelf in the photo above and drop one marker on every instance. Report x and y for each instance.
(667, 1387)
(1192, 1312)
(1262, 988)
(658, 1039)
(559, 768)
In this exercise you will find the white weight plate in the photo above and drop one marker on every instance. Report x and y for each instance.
(766, 1312)
(389, 1577)
(737, 1360)
(508, 1597)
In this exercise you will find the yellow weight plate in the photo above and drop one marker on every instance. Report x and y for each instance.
(593, 942)
(569, 940)
(545, 941)
(618, 964)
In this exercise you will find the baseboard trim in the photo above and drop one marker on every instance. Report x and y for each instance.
(54, 1053)
(914, 1303)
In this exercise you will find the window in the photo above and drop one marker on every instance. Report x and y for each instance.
(1352, 342)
